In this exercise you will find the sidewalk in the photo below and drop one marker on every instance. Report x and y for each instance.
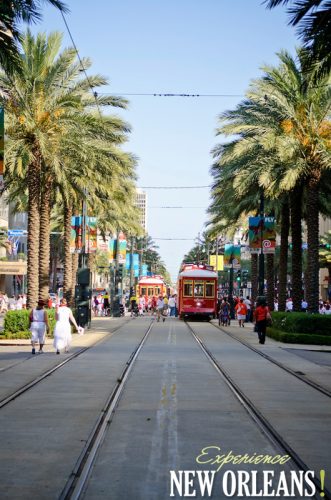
(100, 326)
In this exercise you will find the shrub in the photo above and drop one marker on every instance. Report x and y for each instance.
(294, 322)
(17, 323)
(298, 338)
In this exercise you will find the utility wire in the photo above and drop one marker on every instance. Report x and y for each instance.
(81, 62)
(174, 187)
(159, 94)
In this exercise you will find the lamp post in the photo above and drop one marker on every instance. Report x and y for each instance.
(261, 257)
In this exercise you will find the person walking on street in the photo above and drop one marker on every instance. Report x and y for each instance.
(241, 310)
(38, 326)
(172, 305)
(62, 331)
(261, 316)
(159, 308)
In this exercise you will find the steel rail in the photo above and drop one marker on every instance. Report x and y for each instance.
(81, 472)
(303, 378)
(264, 425)
(24, 388)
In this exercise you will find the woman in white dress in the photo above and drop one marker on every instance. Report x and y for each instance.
(62, 330)
(38, 326)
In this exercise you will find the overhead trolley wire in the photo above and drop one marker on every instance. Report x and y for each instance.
(173, 187)
(81, 62)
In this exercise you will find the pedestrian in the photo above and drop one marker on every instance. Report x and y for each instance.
(159, 308)
(38, 326)
(224, 313)
(153, 305)
(304, 305)
(248, 303)
(261, 316)
(241, 310)
(172, 305)
(62, 330)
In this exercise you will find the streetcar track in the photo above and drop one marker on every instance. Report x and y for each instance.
(81, 472)
(262, 422)
(296, 374)
(24, 388)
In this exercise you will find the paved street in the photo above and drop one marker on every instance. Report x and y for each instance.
(174, 404)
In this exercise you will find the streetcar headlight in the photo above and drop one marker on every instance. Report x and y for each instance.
(198, 304)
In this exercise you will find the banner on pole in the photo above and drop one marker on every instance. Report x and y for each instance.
(111, 250)
(262, 234)
(220, 262)
(121, 248)
(102, 243)
(91, 235)
(76, 234)
(232, 256)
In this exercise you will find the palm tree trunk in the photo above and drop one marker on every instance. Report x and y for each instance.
(313, 243)
(283, 256)
(296, 233)
(270, 281)
(33, 231)
(254, 276)
(44, 242)
(67, 261)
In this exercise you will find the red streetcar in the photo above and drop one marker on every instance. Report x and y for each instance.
(149, 286)
(197, 291)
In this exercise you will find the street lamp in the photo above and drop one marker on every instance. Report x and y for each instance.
(261, 257)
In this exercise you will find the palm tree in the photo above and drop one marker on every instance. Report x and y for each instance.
(48, 126)
(313, 19)
(11, 14)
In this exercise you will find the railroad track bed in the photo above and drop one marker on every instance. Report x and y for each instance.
(151, 400)
(20, 369)
(309, 363)
(44, 430)
(296, 410)
(174, 404)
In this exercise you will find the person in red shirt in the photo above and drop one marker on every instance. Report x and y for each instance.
(241, 310)
(261, 315)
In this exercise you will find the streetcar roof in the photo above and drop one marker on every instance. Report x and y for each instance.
(197, 273)
(151, 281)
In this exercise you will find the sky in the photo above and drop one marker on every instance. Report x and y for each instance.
(175, 46)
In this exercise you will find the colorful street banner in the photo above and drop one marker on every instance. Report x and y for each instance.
(232, 256)
(76, 234)
(135, 262)
(111, 250)
(2, 144)
(262, 234)
(121, 248)
(102, 243)
(91, 238)
(144, 269)
(220, 262)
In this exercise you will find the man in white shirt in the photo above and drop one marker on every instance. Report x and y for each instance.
(248, 303)
(172, 305)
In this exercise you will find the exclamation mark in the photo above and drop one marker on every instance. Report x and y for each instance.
(322, 475)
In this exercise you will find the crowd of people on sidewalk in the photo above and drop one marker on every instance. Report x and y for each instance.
(160, 306)
(13, 303)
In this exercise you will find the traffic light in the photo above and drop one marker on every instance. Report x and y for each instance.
(238, 276)
(245, 278)
(120, 271)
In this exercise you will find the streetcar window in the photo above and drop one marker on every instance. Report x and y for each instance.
(143, 291)
(188, 289)
(210, 289)
(198, 289)
(157, 291)
(150, 292)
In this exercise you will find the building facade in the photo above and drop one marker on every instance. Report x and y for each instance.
(141, 204)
